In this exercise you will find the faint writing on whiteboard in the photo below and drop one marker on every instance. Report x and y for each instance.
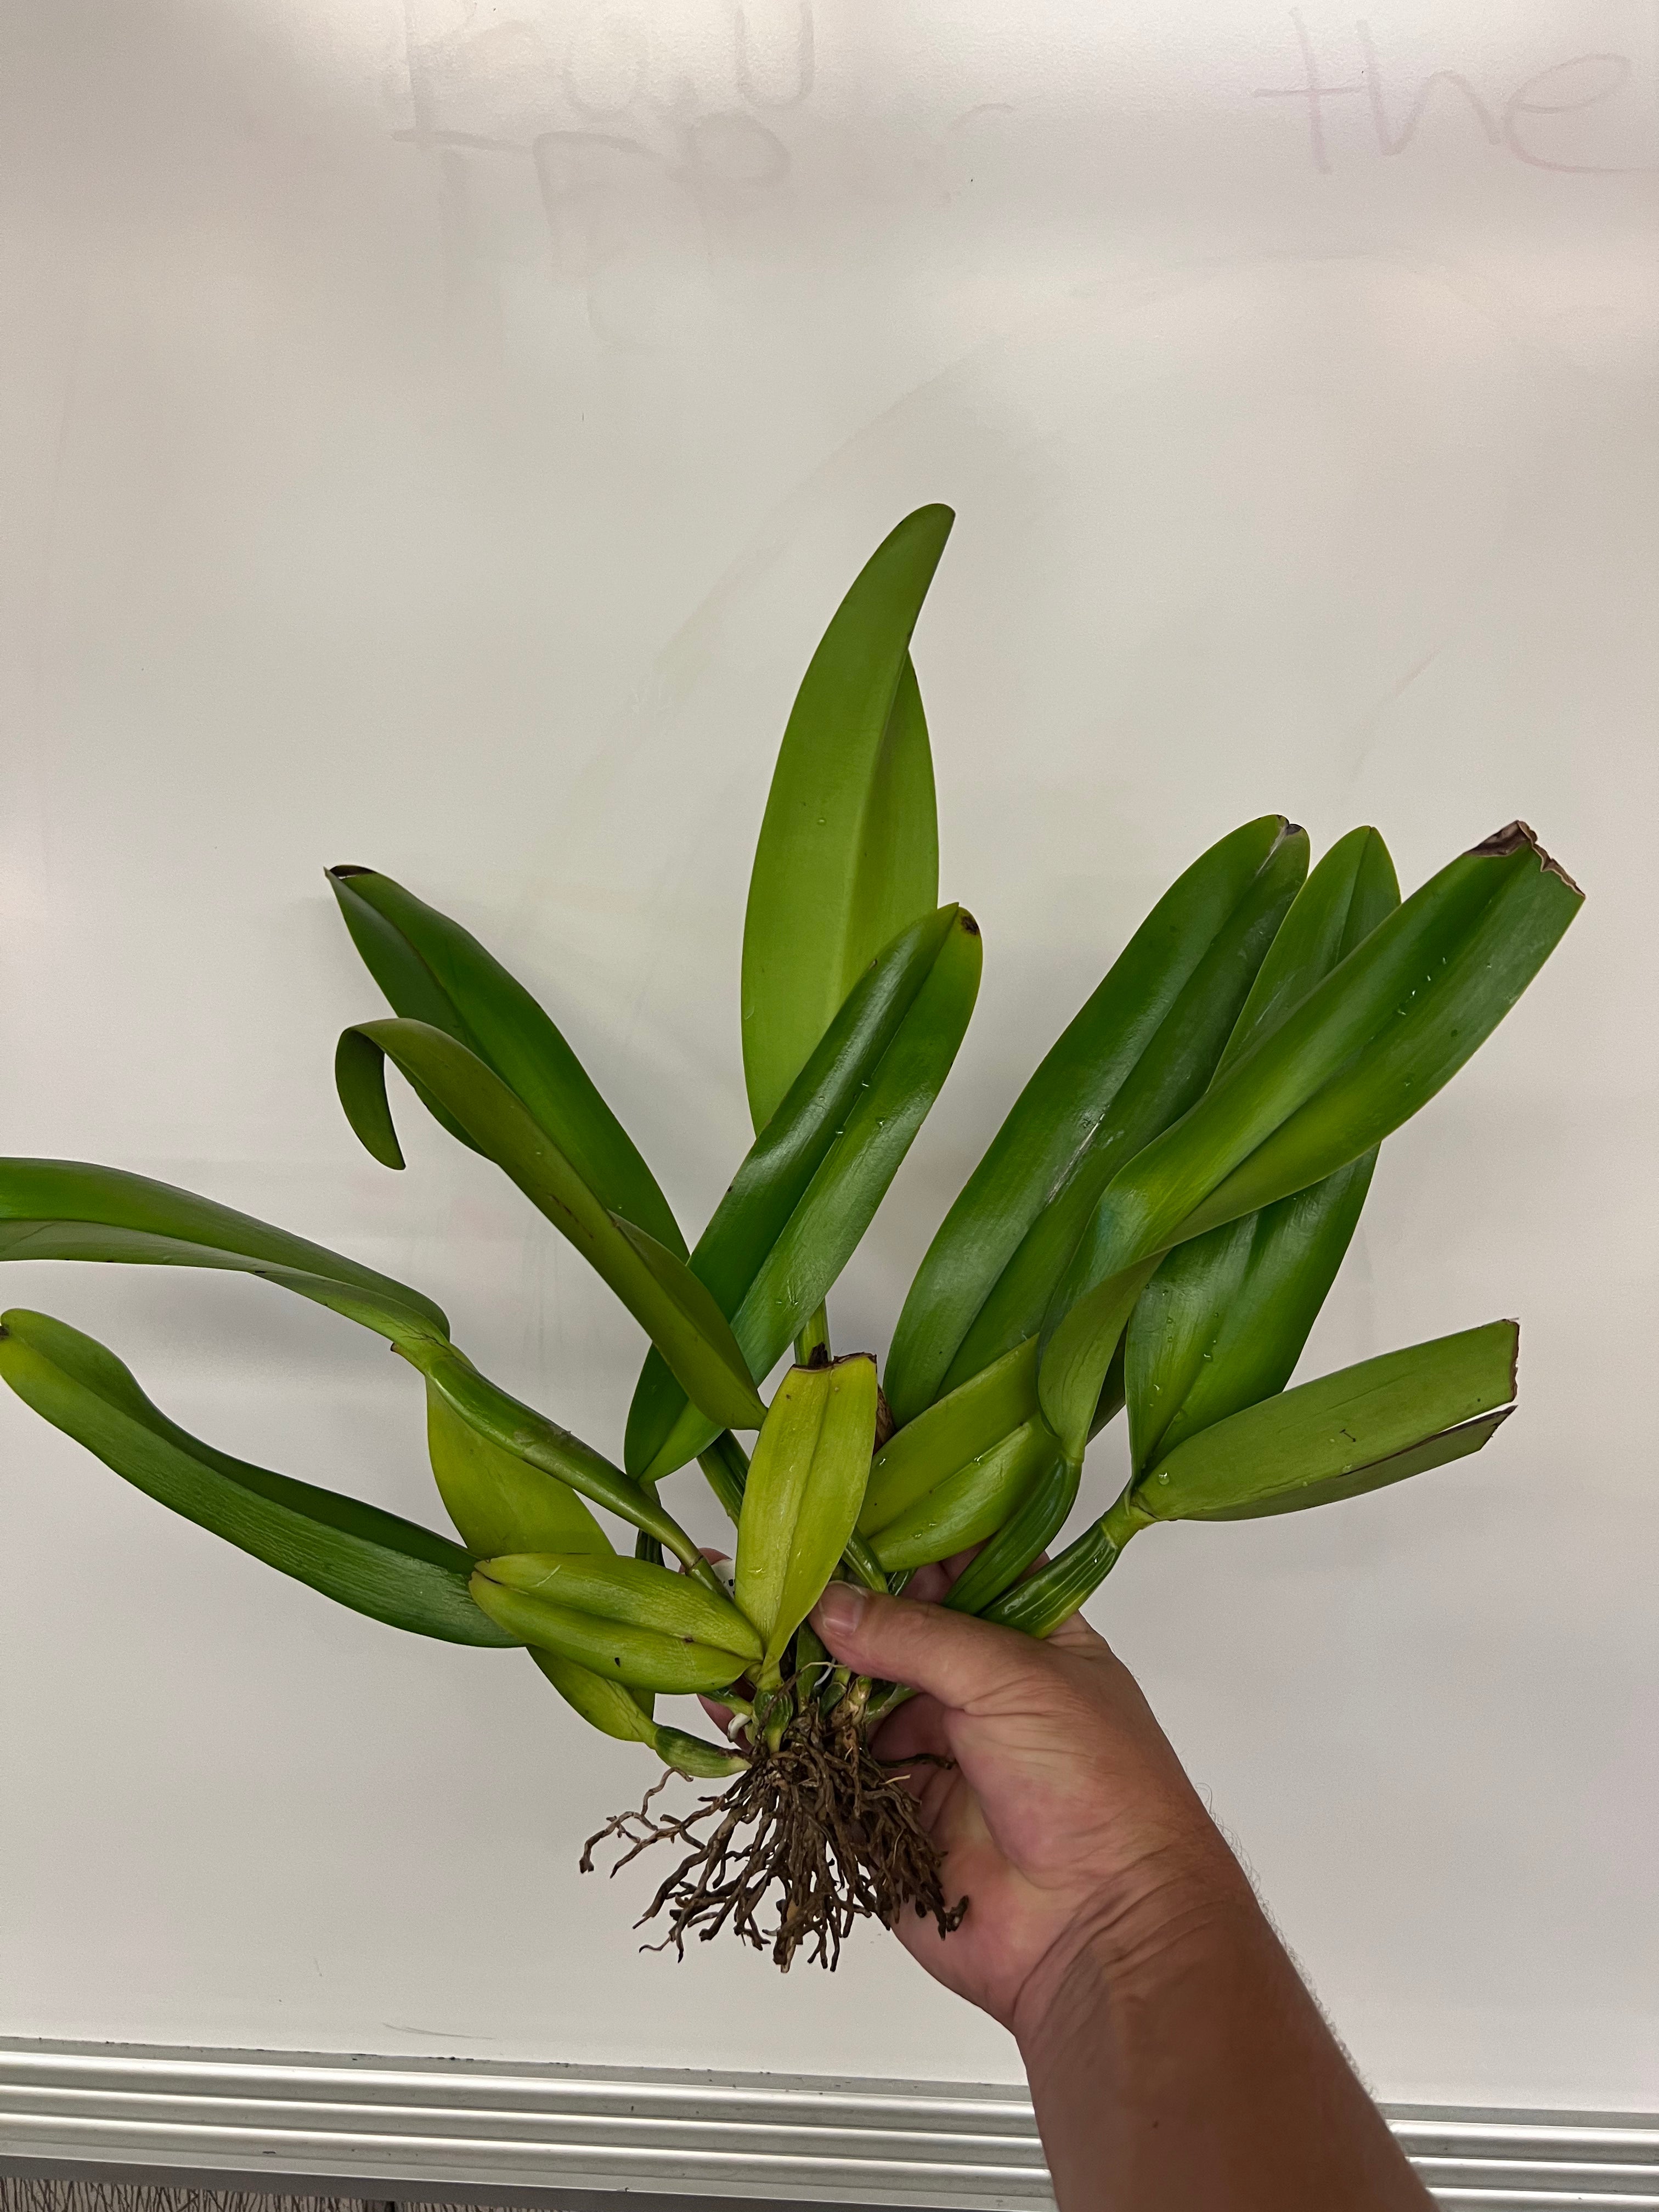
(638, 130)
(1527, 121)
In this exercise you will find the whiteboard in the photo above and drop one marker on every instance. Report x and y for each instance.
(433, 437)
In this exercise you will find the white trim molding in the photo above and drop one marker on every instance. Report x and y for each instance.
(574, 2136)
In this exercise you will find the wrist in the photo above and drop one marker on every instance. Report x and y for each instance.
(1139, 1939)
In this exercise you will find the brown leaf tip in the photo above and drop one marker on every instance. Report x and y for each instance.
(1514, 837)
(966, 921)
(350, 868)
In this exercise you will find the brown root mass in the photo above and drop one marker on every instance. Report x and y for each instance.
(820, 1821)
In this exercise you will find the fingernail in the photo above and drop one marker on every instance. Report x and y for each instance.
(840, 1610)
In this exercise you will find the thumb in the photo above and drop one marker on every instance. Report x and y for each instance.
(958, 1660)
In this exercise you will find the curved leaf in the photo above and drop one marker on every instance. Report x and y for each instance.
(432, 971)
(848, 847)
(521, 1432)
(498, 1502)
(375, 1563)
(674, 1309)
(1134, 1058)
(71, 1210)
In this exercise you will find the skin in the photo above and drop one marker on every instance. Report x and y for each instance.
(1175, 2057)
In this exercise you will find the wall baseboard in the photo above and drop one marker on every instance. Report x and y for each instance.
(572, 2137)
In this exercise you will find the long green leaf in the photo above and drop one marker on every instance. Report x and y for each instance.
(1134, 1058)
(792, 1273)
(1441, 1450)
(1362, 1051)
(375, 1563)
(1340, 1438)
(849, 850)
(1223, 1321)
(660, 1292)
(1292, 1447)
(801, 1501)
(788, 1152)
(70, 1209)
(432, 971)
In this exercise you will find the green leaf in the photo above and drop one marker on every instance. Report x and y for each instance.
(375, 1563)
(615, 1710)
(776, 1175)
(630, 1620)
(1223, 1321)
(433, 971)
(977, 1418)
(1133, 1059)
(801, 1502)
(674, 1309)
(497, 1501)
(849, 850)
(1340, 1438)
(1352, 890)
(1437, 1450)
(802, 1201)
(971, 1503)
(1387, 1028)
(521, 1432)
(69, 1209)
(1344, 1434)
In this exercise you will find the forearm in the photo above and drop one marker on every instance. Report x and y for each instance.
(1176, 2059)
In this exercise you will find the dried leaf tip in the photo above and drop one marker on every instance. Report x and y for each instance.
(349, 868)
(1512, 838)
(965, 921)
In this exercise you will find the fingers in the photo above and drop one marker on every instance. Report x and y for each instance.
(918, 1726)
(956, 1659)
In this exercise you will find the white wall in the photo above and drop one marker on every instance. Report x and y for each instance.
(438, 444)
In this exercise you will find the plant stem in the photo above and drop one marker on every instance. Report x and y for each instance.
(1055, 1594)
(812, 1344)
(726, 1465)
(861, 1560)
(850, 1712)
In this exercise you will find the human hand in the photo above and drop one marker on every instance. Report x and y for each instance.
(1064, 1815)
